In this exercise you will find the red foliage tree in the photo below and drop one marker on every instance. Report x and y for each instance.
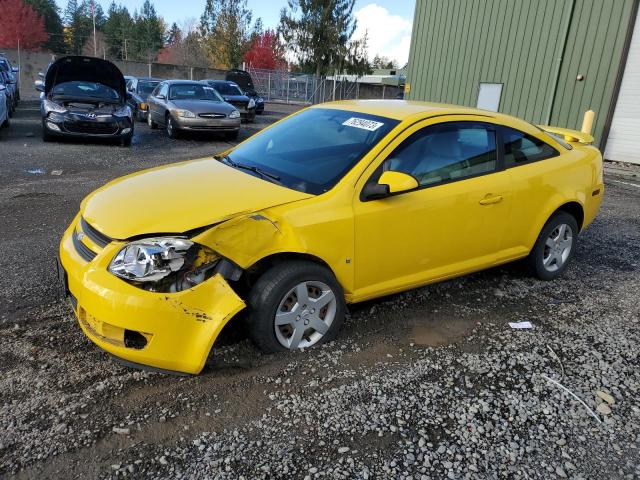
(20, 23)
(266, 52)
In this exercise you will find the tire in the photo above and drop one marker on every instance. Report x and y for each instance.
(232, 135)
(46, 136)
(170, 127)
(274, 291)
(152, 125)
(554, 247)
(126, 141)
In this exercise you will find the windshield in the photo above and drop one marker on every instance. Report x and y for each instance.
(145, 88)
(193, 92)
(85, 89)
(227, 89)
(313, 150)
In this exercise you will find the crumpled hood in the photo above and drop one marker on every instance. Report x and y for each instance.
(179, 197)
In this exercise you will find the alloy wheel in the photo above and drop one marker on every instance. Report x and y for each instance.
(304, 315)
(557, 247)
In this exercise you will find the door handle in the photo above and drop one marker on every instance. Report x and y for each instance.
(491, 199)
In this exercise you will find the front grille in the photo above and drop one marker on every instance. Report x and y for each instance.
(92, 128)
(96, 237)
(85, 252)
(212, 115)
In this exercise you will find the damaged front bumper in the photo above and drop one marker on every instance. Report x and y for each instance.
(168, 331)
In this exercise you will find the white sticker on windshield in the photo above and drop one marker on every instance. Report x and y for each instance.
(363, 123)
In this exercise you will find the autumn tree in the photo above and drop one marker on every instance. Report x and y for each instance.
(319, 33)
(20, 25)
(225, 27)
(266, 51)
(50, 12)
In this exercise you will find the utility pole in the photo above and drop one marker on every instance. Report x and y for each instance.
(93, 14)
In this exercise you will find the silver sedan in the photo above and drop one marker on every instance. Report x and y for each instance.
(182, 105)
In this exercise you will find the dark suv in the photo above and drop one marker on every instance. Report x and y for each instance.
(243, 79)
(232, 94)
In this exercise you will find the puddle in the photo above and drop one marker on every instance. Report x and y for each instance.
(437, 330)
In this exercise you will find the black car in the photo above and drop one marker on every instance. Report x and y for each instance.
(243, 79)
(140, 89)
(85, 97)
(232, 94)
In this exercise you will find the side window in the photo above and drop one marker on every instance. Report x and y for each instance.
(521, 148)
(129, 85)
(164, 89)
(446, 152)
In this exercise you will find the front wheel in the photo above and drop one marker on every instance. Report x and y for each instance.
(554, 247)
(170, 125)
(295, 305)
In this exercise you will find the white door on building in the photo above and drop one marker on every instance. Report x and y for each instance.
(623, 144)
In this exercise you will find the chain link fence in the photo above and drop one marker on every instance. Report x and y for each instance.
(288, 87)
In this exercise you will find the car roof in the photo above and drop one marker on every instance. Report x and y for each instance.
(152, 79)
(404, 109)
(228, 82)
(181, 82)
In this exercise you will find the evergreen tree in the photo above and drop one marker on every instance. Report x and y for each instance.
(148, 33)
(118, 30)
(319, 33)
(174, 35)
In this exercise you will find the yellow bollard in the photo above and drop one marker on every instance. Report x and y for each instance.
(587, 121)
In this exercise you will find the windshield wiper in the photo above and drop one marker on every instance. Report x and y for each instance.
(226, 159)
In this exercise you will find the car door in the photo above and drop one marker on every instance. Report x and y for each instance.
(452, 223)
(157, 105)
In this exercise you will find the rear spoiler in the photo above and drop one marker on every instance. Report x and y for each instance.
(574, 136)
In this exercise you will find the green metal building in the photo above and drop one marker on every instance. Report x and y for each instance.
(547, 61)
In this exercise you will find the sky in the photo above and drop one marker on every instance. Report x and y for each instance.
(388, 22)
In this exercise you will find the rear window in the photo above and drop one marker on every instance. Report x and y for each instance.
(520, 148)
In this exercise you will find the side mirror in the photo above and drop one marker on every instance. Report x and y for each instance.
(39, 84)
(389, 182)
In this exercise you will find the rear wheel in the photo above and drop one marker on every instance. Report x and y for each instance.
(554, 247)
(295, 305)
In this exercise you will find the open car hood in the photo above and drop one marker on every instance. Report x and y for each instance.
(85, 69)
(180, 197)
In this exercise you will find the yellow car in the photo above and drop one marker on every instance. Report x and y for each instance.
(336, 204)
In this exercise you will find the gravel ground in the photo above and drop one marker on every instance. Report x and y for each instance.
(431, 383)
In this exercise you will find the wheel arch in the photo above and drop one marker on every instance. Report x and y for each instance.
(262, 265)
(573, 208)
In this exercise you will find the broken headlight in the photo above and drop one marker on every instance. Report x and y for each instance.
(164, 264)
